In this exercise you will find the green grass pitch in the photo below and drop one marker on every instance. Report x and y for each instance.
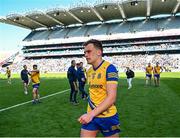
(144, 111)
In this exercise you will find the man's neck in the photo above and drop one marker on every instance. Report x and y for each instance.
(97, 63)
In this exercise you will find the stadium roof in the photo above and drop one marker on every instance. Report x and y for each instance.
(101, 12)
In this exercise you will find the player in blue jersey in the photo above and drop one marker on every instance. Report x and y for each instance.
(103, 81)
(82, 80)
(25, 79)
(72, 77)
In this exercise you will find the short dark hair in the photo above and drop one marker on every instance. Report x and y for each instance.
(72, 61)
(34, 66)
(97, 44)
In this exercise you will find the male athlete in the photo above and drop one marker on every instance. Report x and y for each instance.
(84, 69)
(103, 81)
(72, 77)
(157, 71)
(35, 78)
(130, 76)
(149, 70)
(25, 79)
(82, 80)
(8, 73)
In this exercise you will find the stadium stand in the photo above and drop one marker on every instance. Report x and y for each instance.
(77, 31)
(9, 60)
(130, 37)
(58, 33)
(108, 28)
(138, 62)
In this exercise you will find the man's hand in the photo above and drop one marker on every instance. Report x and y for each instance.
(83, 79)
(85, 118)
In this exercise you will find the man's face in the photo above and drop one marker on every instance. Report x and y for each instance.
(74, 63)
(91, 53)
(149, 64)
(81, 65)
(25, 67)
(34, 67)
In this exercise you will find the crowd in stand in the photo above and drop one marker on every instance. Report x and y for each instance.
(108, 49)
(135, 62)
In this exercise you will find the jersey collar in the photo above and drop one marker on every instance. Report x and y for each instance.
(98, 66)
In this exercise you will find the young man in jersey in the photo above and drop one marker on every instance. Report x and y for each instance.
(130, 76)
(8, 73)
(82, 80)
(72, 77)
(25, 79)
(157, 71)
(35, 78)
(103, 81)
(149, 70)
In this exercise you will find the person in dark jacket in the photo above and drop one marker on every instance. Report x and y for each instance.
(130, 76)
(81, 79)
(25, 79)
(72, 77)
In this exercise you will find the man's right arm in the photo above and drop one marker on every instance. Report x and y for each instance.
(68, 74)
(21, 75)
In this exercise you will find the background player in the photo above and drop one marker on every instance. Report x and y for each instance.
(8, 73)
(103, 80)
(72, 77)
(84, 69)
(25, 79)
(35, 78)
(82, 80)
(157, 71)
(130, 76)
(149, 70)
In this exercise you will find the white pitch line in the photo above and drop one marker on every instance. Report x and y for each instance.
(4, 109)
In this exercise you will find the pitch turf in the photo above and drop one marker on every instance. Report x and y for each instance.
(144, 111)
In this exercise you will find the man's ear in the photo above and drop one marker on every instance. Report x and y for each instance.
(99, 52)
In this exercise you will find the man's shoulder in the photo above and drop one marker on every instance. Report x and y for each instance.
(107, 63)
(110, 67)
(69, 68)
(90, 69)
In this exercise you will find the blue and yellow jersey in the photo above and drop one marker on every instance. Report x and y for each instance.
(35, 76)
(149, 70)
(157, 69)
(98, 80)
(8, 72)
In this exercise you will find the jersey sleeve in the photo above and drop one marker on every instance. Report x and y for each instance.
(111, 74)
